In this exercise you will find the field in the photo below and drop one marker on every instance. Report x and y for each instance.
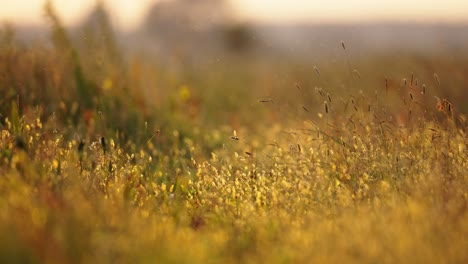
(112, 158)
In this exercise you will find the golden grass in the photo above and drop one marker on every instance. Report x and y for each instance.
(328, 196)
(93, 173)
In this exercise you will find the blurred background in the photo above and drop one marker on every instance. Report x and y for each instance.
(295, 27)
(214, 59)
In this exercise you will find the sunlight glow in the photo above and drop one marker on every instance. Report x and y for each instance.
(128, 14)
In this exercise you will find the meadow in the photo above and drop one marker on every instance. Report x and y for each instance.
(109, 158)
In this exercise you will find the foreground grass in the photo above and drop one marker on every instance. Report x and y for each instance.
(328, 196)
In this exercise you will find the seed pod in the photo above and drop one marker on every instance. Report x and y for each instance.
(234, 135)
(103, 144)
(319, 90)
(317, 70)
(439, 104)
(19, 143)
(81, 146)
(354, 105)
(357, 74)
(436, 78)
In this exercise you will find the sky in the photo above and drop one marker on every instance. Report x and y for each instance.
(128, 14)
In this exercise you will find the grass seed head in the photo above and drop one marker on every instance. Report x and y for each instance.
(234, 135)
(111, 167)
(269, 100)
(103, 144)
(320, 91)
(356, 73)
(19, 143)
(81, 146)
(316, 70)
(436, 78)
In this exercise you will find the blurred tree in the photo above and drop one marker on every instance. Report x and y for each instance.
(86, 90)
(104, 56)
(7, 36)
(238, 37)
(197, 26)
(186, 16)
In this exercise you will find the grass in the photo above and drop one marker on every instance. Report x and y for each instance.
(232, 165)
